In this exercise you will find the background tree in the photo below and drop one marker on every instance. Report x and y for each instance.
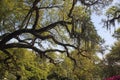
(113, 15)
(111, 65)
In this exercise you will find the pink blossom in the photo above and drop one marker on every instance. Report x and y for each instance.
(113, 78)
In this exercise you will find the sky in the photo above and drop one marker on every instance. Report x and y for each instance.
(103, 32)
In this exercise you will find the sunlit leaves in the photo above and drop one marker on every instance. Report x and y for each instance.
(79, 13)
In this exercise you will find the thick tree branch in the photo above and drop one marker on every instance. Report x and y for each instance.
(18, 32)
(34, 7)
(18, 45)
(54, 50)
(57, 42)
(13, 35)
(73, 4)
(49, 7)
(36, 18)
(40, 52)
(52, 26)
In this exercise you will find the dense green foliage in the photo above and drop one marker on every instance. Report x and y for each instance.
(28, 66)
(24, 64)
